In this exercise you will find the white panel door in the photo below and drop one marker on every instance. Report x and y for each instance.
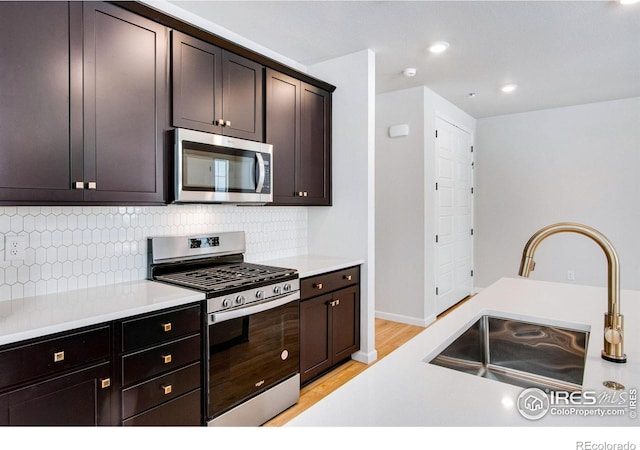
(454, 243)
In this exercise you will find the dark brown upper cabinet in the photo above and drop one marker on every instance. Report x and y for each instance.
(83, 104)
(298, 125)
(40, 44)
(125, 105)
(215, 90)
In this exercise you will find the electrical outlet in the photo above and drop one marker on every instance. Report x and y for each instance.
(14, 247)
(571, 275)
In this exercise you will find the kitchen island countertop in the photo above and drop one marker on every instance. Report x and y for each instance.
(402, 389)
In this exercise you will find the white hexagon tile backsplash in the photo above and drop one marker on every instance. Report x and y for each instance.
(76, 247)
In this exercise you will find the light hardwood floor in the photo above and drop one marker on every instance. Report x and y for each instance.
(389, 336)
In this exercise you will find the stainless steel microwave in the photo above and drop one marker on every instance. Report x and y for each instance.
(210, 168)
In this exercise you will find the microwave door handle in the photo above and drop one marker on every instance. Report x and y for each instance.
(261, 172)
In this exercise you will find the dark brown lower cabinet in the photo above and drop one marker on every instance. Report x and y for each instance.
(160, 368)
(79, 398)
(329, 328)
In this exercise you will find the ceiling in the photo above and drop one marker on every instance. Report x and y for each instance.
(559, 53)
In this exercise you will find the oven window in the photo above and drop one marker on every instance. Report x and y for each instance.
(250, 354)
(218, 171)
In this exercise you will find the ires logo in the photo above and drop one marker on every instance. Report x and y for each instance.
(564, 398)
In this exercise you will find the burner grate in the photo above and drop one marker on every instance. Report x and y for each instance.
(216, 278)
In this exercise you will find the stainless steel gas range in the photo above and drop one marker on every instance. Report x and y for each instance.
(252, 349)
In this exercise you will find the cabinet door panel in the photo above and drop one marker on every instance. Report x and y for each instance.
(242, 102)
(314, 167)
(125, 97)
(74, 399)
(197, 79)
(36, 87)
(282, 131)
(315, 339)
(346, 323)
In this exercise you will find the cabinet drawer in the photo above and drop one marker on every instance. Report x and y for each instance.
(163, 358)
(179, 412)
(160, 389)
(53, 355)
(157, 328)
(328, 282)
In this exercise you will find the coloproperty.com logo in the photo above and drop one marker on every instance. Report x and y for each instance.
(534, 403)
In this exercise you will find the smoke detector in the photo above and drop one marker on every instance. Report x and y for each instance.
(409, 72)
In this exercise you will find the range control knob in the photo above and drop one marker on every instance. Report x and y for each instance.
(276, 289)
(286, 287)
(259, 294)
(240, 300)
(226, 302)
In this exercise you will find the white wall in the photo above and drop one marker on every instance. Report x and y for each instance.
(405, 202)
(400, 208)
(577, 163)
(347, 228)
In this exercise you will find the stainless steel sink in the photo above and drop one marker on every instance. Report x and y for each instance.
(521, 353)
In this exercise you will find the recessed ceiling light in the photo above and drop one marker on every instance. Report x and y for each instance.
(628, 2)
(508, 88)
(439, 47)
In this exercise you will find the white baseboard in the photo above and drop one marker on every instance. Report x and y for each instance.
(406, 319)
(364, 357)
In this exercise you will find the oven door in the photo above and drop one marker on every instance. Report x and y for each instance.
(252, 352)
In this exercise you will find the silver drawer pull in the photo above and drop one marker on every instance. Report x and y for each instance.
(92, 185)
(347, 277)
(166, 327)
(317, 285)
(105, 383)
(166, 389)
(78, 185)
(58, 356)
(166, 359)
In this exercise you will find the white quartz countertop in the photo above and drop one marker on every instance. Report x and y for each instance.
(32, 317)
(402, 389)
(311, 265)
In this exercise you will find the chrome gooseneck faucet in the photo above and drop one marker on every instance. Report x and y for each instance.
(613, 323)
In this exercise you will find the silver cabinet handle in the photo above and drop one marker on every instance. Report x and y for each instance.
(78, 185)
(166, 359)
(105, 383)
(166, 389)
(58, 356)
(92, 185)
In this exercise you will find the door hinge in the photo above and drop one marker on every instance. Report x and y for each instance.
(436, 133)
(436, 186)
(471, 272)
(472, 232)
(472, 190)
(436, 238)
(436, 291)
(472, 149)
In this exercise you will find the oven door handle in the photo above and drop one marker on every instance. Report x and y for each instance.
(253, 309)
